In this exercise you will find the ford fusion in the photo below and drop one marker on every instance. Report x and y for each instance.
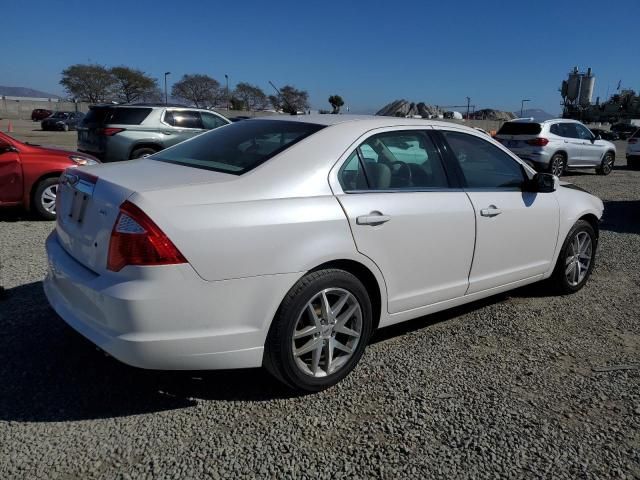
(285, 242)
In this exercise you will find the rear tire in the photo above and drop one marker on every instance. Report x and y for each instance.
(330, 313)
(44, 198)
(606, 166)
(143, 152)
(576, 260)
(557, 164)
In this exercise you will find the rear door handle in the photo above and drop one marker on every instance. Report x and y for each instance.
(374, 218)
(490, 211)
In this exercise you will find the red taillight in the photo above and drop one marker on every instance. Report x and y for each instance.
(538, 142)
(136, 240)
(109, 132)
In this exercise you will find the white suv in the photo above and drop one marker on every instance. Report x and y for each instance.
(558, 144)
(633, 151)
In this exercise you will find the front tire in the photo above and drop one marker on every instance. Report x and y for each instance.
(320, 330)
(44, 198)
(607, 165)
(557, 164)
(576, 260)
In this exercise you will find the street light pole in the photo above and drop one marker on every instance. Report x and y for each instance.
(522, 106)
(226, 77)
(166, 98)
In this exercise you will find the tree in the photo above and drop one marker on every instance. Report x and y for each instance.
(88, 83)
(252, 96)
(336, 102)
(200, 90)
(290, 100)
(131, 84)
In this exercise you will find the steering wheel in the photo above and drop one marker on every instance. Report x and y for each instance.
(400, 171)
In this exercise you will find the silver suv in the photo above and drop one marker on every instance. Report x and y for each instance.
(558, 144)
(122, 132)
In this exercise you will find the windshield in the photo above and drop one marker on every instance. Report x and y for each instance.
(239, 147)
(520, 128)
(60, 115)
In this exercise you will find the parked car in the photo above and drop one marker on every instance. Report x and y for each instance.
(62, 121)
(29, 174)
(286, 241)
(122, 132)
(557, 144)
(40, 114)
(624, 130)
(605, 134)
(633, 151)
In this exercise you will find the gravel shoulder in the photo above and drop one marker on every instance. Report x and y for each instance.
(502, 388)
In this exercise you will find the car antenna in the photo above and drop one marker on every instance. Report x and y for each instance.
(283, 98)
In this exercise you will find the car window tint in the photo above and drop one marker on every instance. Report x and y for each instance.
(483, 164)
(555, 129)
(395, 160)
(569, 130)
(183, 118)
(239, 147)
(211, 121)
(583, 132)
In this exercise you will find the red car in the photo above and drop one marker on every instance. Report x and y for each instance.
(40, 114)
(29, 174)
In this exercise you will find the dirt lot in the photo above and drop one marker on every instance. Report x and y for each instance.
(28, 131)
(522, 385)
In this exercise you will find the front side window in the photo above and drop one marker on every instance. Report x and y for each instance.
(402, 160)
(211, 121)
(183, 118)
(583, 132)
(483, 164)
(238, 147)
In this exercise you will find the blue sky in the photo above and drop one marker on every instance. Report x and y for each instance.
(370, 52)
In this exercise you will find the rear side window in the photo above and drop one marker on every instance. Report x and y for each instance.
(520, 128)
(183, 118)
(118, 116)
(211, 121)
(238, 147)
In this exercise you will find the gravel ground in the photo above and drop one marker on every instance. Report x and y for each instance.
(505, 387)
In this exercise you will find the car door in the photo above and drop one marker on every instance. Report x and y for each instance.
(516, 231)
(573, 143)
(10, 174)
(184, 125)
(408, 217)
(592, 149)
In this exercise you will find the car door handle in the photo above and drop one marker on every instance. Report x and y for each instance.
(490, 211)
(374, 218)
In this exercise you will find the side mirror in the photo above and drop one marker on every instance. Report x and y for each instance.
(6, 147)
(542, 183)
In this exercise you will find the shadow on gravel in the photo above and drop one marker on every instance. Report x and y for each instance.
(50, 373)
(16, 214)
(621, 216)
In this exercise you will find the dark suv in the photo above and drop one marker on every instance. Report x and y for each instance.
(123, 132)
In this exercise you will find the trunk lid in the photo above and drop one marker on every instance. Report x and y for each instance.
(89, 200)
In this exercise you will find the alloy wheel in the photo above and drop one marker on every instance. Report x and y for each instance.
(48, 198)
(578, 260)
(327, 332)
(607, 164)
(557, 165)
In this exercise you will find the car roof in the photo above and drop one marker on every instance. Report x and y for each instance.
(371, 121)
(541, 122)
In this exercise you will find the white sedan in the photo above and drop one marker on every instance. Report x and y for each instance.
(285, 242)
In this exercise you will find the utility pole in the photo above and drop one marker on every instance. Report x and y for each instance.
(226, 77)
(468, 105)
(165, 87)
(522, 106)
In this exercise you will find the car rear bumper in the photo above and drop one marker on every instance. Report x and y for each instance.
(166, 317)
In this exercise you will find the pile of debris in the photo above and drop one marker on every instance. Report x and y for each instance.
(404, 108)
(491, 114)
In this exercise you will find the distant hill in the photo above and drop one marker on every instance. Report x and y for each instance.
(25, 92)
(536, 113)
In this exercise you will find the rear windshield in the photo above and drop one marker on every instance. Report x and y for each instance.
(520, 128)
(239, 147)
(118, 116)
